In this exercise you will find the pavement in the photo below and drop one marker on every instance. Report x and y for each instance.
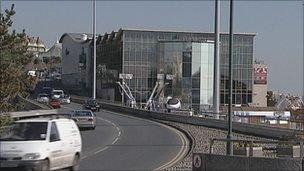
(121, 142)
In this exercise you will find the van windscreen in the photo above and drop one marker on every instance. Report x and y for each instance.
(24, 131)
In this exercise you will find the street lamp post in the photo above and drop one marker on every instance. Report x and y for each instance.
(229, 149)
(216, 79)
(94, 50)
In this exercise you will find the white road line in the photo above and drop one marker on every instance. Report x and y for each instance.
(182, 152)
(106, 147)
(114, 141)
(96, 152)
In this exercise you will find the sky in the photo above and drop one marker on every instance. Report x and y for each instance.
(278, 25)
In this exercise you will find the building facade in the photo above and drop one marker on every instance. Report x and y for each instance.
(76, 58)
(190, 65)
(185, 56)
(54, 51)
(35, 45)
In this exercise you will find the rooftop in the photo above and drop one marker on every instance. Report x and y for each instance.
(179, 31)
(78, 37)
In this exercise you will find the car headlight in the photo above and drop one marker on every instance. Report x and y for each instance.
(31, 156)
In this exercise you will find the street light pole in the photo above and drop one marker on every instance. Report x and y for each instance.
(216, 79)
(94, 50)
(229, 149)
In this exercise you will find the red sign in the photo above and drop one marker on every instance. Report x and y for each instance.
(260, 75)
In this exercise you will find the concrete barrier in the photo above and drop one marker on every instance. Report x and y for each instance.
(212, 162)
(31, 104)
(249, 129)
(32, 113)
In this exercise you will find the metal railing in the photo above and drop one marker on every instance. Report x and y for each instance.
(252, 143)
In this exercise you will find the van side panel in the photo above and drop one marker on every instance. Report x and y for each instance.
(71, 139)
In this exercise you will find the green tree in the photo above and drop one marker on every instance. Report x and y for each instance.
(57, 60)
(37, 61)
(13, 75)
(46, 60)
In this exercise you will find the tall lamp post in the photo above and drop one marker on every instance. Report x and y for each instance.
(229, 149)
(94, 50)
(216, 79)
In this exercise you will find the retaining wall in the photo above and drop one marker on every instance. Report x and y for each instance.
(212, 162)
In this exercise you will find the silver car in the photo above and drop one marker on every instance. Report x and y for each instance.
(84, 118)
(65, 99)
(43, 98)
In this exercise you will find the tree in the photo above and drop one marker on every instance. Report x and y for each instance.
(46, 60)
(37, 61)
(57, 59)
(13, 76)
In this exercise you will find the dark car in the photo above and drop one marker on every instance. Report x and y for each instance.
(91, 104)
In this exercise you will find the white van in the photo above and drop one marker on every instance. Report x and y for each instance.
(41, 144)
(58, 93)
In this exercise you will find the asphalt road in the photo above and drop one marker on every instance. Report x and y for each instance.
(121, 142)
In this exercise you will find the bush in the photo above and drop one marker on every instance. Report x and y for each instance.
(5, 120)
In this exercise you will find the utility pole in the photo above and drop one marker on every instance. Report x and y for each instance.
(229, 149)
(94, 50)
(216, 77)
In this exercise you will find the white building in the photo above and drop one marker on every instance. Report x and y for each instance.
(35, 45)
(54, 51)
(76, 59)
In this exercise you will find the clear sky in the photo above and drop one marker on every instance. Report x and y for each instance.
(278, 24)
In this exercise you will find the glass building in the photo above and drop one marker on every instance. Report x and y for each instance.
(187, 56)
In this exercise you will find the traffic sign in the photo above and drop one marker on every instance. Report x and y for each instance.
(197, 161)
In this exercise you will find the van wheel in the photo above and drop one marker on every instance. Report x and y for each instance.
(75, 163)
(45, 166)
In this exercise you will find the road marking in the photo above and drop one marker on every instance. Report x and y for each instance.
(178, 157)
(107, 146)
(182, 152)
(96, 152)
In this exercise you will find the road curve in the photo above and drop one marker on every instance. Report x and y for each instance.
(122, 142)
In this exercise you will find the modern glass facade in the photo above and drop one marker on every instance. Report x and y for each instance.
(186, 55)
(190, 64)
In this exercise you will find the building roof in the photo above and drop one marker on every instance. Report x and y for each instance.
(78, 37)
(106, 37)
(178, 31)
(35, 41)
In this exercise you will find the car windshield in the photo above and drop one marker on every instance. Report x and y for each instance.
(58, 93)
(43, 95)
(83, 113)
(24, 131)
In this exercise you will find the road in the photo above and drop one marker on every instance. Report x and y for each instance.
(122, 142)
